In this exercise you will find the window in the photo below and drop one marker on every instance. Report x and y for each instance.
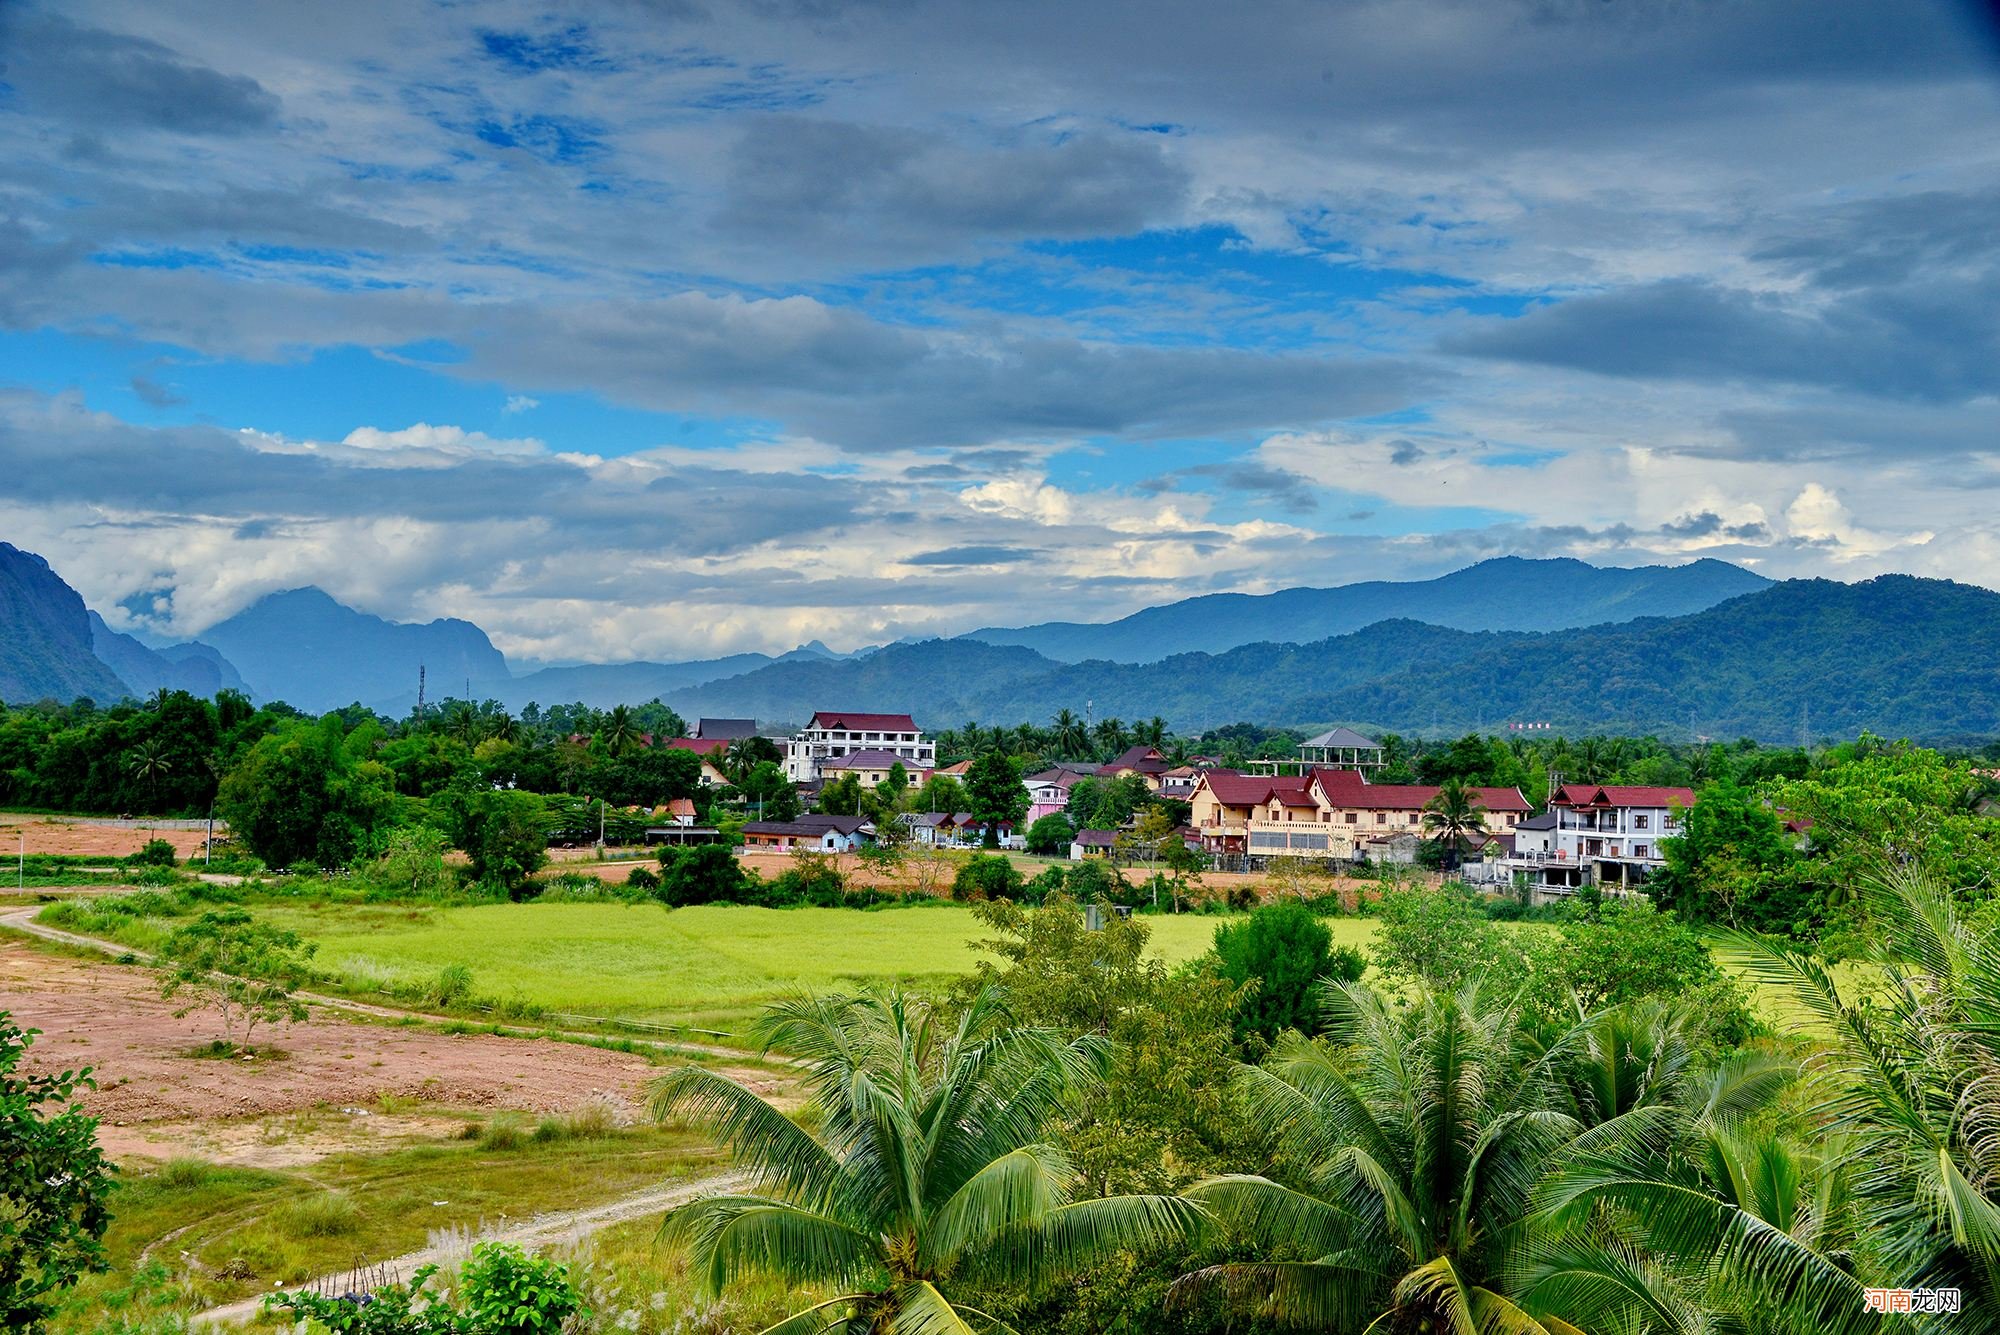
(1381, 818)
(1640, 851)
(1353, 816)
(1639, 821)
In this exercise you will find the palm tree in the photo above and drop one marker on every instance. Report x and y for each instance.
(1111, 737)
(1410, 1167)
(1070, 738)
(1915, 1075)
(620, 732)
(1452, 818)
(928, 1173)
(1153, 732)
(149, 763)
(503, 728)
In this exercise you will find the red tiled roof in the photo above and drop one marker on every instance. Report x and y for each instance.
(1613, 795)
(864, 722)
(701, 746)
(1249, 790)
(1144, 759)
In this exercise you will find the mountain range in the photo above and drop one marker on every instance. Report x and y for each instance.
(1506, 593)
(1707, 646)
(1896, 655)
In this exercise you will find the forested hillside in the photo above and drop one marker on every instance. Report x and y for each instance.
(45, 648)
(1898, 655)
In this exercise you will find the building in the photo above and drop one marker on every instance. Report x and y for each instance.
(871, 766)
(1607, 835)
(808, 834)
(1336, 748)
(1048, 790)
(832, 734)
(1145, 761)
(1326, 813)
(1092, 844)
(710, 750)
(725, 729)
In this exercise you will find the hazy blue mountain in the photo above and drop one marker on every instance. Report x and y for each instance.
(304, 648)
(45, 648)
(1897, 655)
(194, 667)
(602, 685)
(1508, 593)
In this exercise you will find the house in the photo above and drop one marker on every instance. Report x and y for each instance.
(932, 829)
(1145, 761)
(871, 766)
(710, 750)
(1179, 782)
(832, 734)
(808, 834)
(1602, 834)
(957, 769)
(970, 832)
(1092, 844)
(1048, 790)
(1326, 813)
(725, 729)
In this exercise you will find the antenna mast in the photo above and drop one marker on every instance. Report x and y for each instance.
(420, 692)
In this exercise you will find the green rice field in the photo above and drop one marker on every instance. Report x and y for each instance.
(713, 966)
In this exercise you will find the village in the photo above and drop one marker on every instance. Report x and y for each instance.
(1323, 806)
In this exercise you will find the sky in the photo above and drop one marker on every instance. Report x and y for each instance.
(672, 328)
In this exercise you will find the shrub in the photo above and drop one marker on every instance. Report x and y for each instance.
(184, 1173)
(702, 874)
(987, 876)
(53, 1185)
(1287, 952)
(1051, 834)
(642, 879)
(505, 1291)
(813, 878)
(156, 853)
(1441, 939)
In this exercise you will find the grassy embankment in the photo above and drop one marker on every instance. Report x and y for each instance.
(231, 1232)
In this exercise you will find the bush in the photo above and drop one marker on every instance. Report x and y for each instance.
(703, 874)
(53, 1185)
(642, 879)
(185, 1173)
(1051, 834)
(813, 878)
(451, 987)
(987, 876)
(156, 853)
(1286, 951)
(1442, 938)
(505, 1291)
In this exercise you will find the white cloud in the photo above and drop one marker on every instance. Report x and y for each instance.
(520, 403)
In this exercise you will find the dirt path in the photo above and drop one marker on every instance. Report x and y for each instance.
(23, 920)
(537, 1232)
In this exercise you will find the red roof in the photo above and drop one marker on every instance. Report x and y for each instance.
(1603, 795)
(1144, 759)
(701, 746)
(864, 722)
(1249, 790)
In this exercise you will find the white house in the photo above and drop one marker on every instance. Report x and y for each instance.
(833, 734)
(1604, 834)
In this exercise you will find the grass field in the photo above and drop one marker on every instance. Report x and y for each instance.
(712, 966)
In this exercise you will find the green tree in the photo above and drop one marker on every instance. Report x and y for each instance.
(929, 1174)
(841, 797)
(987, 876)
(299, 795)
(1279, 956)
(1051, 835)
(243, 970)
(1440, 939)
(702, 874)
(506, 837)
(54, 1185)
(1733, 864)
(994, 792)
(620, 732)
(771, 794)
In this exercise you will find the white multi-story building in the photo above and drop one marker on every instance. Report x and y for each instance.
(1603, 834)
(832, 734)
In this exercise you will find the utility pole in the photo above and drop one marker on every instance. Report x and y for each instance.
(420, 692)
(22, 868)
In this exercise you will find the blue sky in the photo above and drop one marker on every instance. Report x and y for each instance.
(668, 330)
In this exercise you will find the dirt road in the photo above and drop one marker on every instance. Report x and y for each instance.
(536, 1233)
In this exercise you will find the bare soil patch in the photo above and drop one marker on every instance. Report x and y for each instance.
(80, 837)
(110, 1017)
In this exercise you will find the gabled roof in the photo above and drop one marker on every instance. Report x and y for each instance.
(1344, 738)
(796, 829)
(828, 718)
(1620, 795)
(701, 746)
(1063, 776)
(1545, 821)
(1249, 790)
(869, 758)
(1144, 759)
(727, 729)
(844, 824)
(680, 806)
(1095, 838)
